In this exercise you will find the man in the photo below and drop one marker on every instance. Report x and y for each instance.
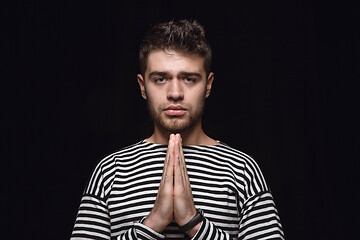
(179, 183)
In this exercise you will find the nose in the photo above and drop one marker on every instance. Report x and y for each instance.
(175, 91)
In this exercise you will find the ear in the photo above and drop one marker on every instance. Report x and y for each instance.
(141, 82)
(209, 82)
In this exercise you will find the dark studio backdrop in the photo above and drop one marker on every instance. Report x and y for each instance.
(285, 92)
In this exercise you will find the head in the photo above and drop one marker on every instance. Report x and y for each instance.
(175, 75)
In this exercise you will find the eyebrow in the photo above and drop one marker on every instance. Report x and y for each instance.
(158, 74)
(190, 74)
(183, 73)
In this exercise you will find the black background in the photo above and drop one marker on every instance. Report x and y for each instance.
(285, 88)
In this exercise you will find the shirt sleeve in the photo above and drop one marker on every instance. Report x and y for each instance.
(92, 221)
(93, 218)
(259, 218)
(144, 232)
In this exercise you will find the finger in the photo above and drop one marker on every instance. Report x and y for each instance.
(168, 171)
(184, 208)
(182, 160)
(181, 178)
(181, 152)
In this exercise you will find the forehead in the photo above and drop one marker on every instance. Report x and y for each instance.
(173, 62)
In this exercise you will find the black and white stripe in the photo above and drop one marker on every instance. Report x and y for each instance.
(226, 183)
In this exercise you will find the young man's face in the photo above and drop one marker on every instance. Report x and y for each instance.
(175, 86)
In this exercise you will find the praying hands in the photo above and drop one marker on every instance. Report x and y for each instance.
(174, 198)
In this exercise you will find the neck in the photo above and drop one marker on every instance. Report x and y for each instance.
(192, 136)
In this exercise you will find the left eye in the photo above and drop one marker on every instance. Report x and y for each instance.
(189, 80)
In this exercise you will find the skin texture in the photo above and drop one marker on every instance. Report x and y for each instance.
(175, 87)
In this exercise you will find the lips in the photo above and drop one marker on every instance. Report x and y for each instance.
(175, 110)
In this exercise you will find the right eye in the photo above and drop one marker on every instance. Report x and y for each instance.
(160, 80)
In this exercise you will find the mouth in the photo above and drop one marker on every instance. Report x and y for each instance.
(175, 110)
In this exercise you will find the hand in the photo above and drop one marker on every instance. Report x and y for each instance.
(174, 199)
(184, 208)
(162, 213)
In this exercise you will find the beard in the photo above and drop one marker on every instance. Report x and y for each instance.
(176, 124)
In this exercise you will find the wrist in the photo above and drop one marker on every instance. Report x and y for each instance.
(192, 226)
(193, 231)
(154, 223)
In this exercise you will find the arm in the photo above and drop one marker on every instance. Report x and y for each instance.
(93, 218)
(93, 222)
(259, 218)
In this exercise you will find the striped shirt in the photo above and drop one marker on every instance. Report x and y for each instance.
(226, 184)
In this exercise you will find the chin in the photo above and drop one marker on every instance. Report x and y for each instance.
(175, 125)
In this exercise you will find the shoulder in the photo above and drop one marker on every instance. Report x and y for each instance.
(127, 152)
(230, 154)
(104, 172)
(251, 172)
(129, 155)
(239, 155)
(222, 156)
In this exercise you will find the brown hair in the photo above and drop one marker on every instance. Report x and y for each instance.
(183, 35)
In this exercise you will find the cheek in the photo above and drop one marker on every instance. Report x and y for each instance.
(197, 96)
(153, 99)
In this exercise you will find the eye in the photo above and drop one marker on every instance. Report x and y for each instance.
(160, 80)
(189, 80)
